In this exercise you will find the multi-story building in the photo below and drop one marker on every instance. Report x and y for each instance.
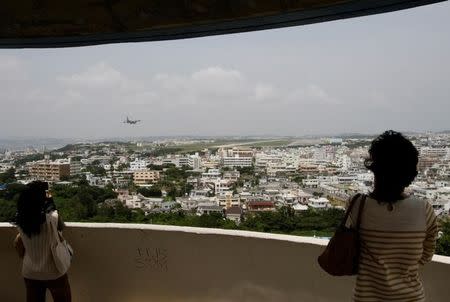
(236, 157)
(50, 171)
(229, 200)
(5, 167)
(237, 161)
(210, 175)
(75, 167)
(231, 176)
(176, 160)
(145, 177)
(194, 161)
(138, 165)
(221, 187)
(238, 152)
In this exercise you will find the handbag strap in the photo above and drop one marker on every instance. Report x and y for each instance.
(350, 208)
(361, 207)
(54, 226)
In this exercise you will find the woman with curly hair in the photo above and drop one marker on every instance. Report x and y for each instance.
(36, 219)
(397, 231)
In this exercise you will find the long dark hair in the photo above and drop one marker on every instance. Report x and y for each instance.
(31, 208)
(393, 160)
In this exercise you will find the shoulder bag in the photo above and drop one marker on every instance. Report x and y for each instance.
(61, 250)
(341, 256)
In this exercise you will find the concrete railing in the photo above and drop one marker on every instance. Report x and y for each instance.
(134, 262)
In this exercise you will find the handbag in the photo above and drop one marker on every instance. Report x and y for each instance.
(61, 250)
(341, 256)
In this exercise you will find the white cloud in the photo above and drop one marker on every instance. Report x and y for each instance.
(263, 92)
(311, 94)
(99, 76)
(218, 82)
(206, 86)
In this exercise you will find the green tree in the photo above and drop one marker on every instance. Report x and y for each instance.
(114, 212)
(154, 191)
(80, 203)
(443, 243)
(96, 170)
(155, 167)
(298, 178)
(29, 158)
(7, 210)
(12, 191)
(123, 167)
(8, 176)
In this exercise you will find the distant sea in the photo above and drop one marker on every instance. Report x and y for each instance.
(15, 144)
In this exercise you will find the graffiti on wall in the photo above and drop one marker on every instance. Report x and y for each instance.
(152, 258)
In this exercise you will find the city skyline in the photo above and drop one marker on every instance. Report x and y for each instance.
(363, 75)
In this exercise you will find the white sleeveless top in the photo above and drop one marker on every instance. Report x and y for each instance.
(38, 263)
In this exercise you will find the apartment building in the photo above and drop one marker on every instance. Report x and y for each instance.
(237, 161)
(137, 165)
(231, 176)
(194, 161)
(236, 157)
(239, 152)
(75, 167)
(176, 160)
(145, 177)
(50, 171)
(228, 200)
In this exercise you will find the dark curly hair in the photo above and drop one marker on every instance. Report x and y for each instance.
(31, 208)
(393, 160)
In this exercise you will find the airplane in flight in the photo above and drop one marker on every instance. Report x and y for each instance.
(131, 122)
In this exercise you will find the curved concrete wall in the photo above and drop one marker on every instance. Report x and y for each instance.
(126, 262)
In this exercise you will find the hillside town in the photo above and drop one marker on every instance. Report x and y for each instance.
(233, 180)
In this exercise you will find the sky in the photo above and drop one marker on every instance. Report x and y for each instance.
(360, 75)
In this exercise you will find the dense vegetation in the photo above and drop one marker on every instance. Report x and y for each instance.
(83, 202)
(87, 203)
(8, 176)
(443, 244)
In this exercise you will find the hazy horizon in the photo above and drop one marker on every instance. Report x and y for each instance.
(362, 75)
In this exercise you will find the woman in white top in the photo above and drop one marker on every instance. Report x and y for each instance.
(35, 214)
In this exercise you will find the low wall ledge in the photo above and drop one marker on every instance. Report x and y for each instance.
(209, 231)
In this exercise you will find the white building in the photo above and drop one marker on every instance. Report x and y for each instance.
(138, 165)
(195, 162)
(310, 182)
(221, 187)
(228, 200)
(208, 209)
(187, 204)
(211, 174)
(5, 167)
(319, 203)
(178, 161)
(237, 161)
(231, 176)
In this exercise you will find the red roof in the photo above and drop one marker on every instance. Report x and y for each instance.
(234, 210)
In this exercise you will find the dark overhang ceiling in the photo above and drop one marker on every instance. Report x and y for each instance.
(64, 23)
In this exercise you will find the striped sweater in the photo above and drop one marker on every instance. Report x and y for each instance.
(393, 246)
(38, 263)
